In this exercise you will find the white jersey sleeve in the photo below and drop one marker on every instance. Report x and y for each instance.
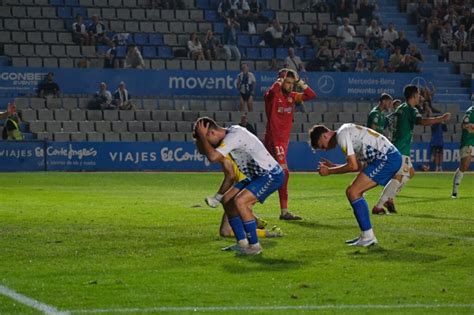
(345, 142)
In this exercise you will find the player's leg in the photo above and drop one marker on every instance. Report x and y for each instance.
(250, 103)
(466, 156)
(354, 194)
(242, 104)
(235, 221)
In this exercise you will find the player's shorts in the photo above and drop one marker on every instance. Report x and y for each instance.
(245, 96)
(382, 171)
(239, 176)
(278, 150)
(436, 149)
(263, 186)
(467, 150)
(406, 166)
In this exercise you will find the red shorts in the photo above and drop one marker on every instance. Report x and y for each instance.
(278, 150)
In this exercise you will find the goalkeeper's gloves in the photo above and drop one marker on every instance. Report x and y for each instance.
(213, 201)
(301, 84)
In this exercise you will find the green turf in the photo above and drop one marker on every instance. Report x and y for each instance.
(145, 240)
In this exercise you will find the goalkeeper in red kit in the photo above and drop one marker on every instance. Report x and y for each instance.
(280, 102)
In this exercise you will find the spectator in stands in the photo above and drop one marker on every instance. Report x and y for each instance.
(319, 35)
(110, 60)
(373, 35)
(134, 58)
(395, 59)
(319, 6)
(467, 19)
(433, 29)
(401, 42)
(256, 12)
(79, 32)
(423, 13)
(102, 99)
(408, 64)
(11, 127)
(446, 41)
(273, 35)
(415, 53)
(343, 9)
(382, 57)
(225, 9)
(244, 122)
(361, 53)
(460, 37)
(292, 29)
(452, 17)
(341, 61)
(346, 34)
(195, 47)
(361, 67)
(96, 30)
(365, 12)
(229, 39)
(210, 45)
(294, 62)
(48, 88)
(390, 34)
(122, 99)
(242, 14)
(246, 86)
(427, 95)
(322, 60)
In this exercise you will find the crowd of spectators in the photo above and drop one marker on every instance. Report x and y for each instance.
(104, 100)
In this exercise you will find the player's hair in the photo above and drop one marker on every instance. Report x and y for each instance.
(385, 96)
(315, 133)
(409, 91)
(291, 74)
(207, 121)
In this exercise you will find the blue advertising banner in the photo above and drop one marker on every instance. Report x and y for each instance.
(165, 156)
(21, 81)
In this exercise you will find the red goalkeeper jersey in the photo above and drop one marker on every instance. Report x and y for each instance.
(279, 108)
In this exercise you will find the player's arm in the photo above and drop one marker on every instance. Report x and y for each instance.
(227, 182)
(351, 165)
(370, 122)
(432, 120)
(308, 93)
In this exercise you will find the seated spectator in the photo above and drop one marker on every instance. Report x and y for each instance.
(256, 12)
(414, 52)
(242, 14)
(225, 9)
(96, 30)
(294, 62)
(229, 39)
(341, 61)
(292, 29)
(319, 35)
(467, 19)
(110, 60)
(273, 35)
(134, 58)
(48, 88)
(244, 122)
(11, 127)
(382, 57)
(210, 45)
(408, 64)
(395, 59)
(79, 32)
(322, 60)
(195, 47)
(361, 67)
(102, 99)
(346, 34)
(401, 42)
(447, 41)
(373, 35)
(246, 86)
(460, 38)
(379, 66)
(390, 34)
(361, 53)
(365, 12)
(343, 9)
(452, 17)
(122, 99)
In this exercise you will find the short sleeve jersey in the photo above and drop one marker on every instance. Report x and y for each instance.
(247, 82)
(467, 139)
(377, 118)
(365, 143)
(247, 151)
(405, 119)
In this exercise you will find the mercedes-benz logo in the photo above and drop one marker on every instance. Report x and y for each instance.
(326, 84)
(418, 81)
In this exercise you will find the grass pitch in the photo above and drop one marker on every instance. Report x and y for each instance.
(146, 243)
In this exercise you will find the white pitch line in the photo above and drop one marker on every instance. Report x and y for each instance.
(271, 308)
(37, 305)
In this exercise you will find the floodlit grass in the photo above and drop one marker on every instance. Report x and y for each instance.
(146, 240)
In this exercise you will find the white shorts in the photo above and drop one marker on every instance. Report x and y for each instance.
(406, 166)
(466, 151)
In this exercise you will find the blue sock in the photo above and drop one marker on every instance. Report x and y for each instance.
(361, 212)
(238, 228)
(251, 229)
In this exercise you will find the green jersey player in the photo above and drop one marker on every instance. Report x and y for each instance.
(377, 119)
(467, 149)
(406, 117)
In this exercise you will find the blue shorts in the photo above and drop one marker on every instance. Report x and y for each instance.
(263, 186)
(381, 171)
